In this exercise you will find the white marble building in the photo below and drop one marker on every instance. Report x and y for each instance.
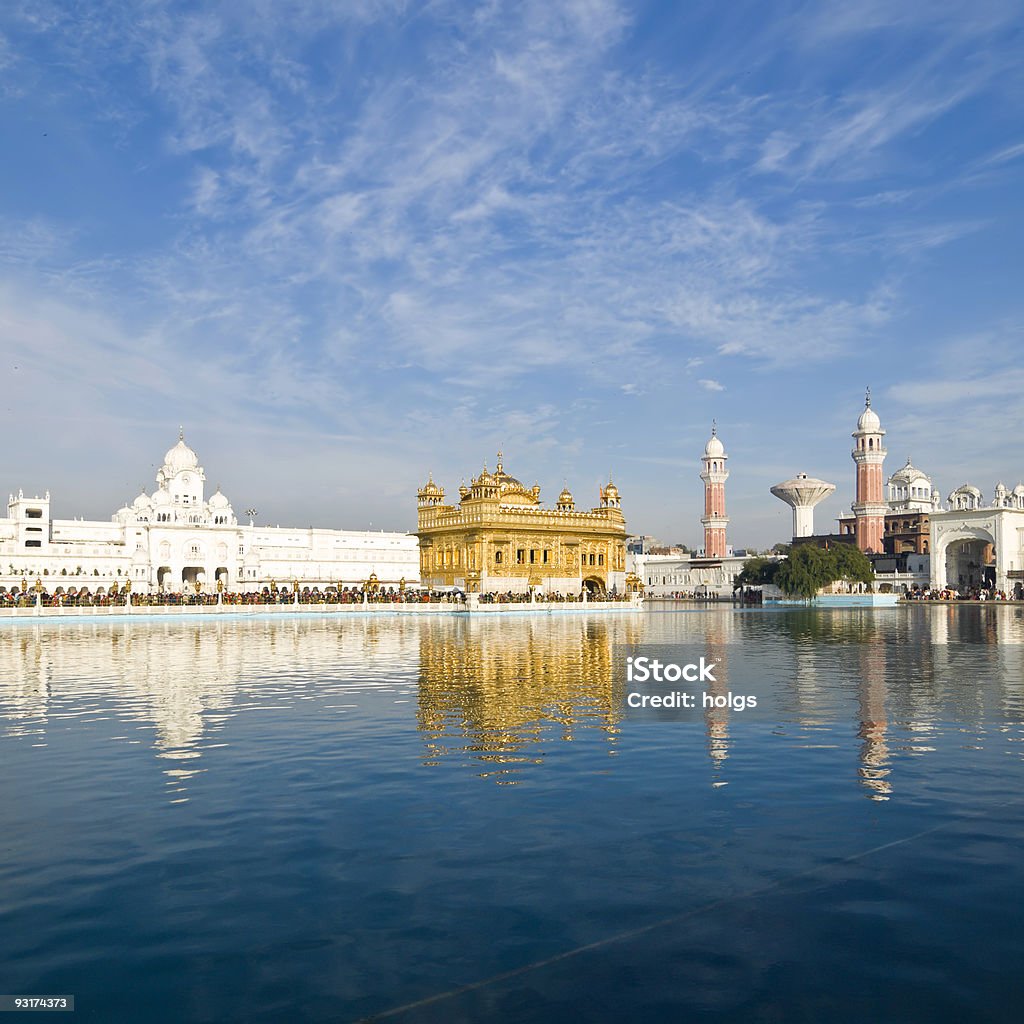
(910, 490)
(688, 575)
(176, 537)
(974, 543)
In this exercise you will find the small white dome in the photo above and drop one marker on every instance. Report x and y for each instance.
(714, 447)
(869, 420)
(218, 501)
(910, 476)
(1019, 490)
(143, 502)
(162, 497)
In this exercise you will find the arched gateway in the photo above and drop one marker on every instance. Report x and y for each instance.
(965, 557)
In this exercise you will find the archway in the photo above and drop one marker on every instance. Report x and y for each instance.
(193, 574)
(966, 558)
(594, 586)
(967, 562)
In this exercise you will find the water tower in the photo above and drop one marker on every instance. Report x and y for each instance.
(802, 493)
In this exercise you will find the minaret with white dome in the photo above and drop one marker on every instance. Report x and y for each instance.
(714, 475)
(868, 454)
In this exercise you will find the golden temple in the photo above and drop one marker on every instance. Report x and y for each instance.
(500, 539)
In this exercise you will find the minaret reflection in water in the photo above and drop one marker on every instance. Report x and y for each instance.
(495, 694)
(720, 630)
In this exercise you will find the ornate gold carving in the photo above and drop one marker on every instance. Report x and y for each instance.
(500, 529)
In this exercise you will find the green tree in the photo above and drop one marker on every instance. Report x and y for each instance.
(804, 572)
(757, 571)
(852, 564)
(809, 568)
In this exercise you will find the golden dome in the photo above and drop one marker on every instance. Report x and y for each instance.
(511, 490)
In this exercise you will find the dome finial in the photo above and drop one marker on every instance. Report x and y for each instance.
(499, 467)
(714, 428)
(867, 397)
(181, 432)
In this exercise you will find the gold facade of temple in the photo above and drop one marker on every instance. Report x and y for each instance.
(500, 538)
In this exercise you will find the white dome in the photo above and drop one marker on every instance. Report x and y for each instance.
(714, 447)
(180, 458)
(1019, 489)
(910, 475)
(142, 502)
(219, 501)
(162, 497)
(869, 421)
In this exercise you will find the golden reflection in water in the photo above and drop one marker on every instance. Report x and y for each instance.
(494, 692)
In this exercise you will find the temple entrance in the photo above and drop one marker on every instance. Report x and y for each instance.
(594, 586)
(970, 563)
(163, 576)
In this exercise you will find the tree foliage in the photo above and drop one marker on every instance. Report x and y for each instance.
(809, 568)
(757, 571)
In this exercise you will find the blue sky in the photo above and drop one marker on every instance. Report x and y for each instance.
(348, 243)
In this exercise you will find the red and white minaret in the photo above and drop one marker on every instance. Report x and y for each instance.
(714, 476)
(869, 454)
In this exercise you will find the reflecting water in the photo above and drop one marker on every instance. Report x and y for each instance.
(312, 819)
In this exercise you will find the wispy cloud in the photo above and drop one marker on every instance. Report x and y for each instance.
(426, 225)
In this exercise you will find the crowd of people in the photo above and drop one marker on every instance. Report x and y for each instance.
(557, 597)
(272, 595)
(83, 597)
(963, 594)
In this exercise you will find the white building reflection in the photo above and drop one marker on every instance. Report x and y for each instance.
(181, 681)
(494, 694)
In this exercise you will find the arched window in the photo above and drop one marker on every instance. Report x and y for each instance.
(497, 557)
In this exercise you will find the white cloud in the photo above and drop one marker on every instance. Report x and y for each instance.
(527, 203)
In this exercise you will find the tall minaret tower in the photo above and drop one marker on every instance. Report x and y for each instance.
(714, 476)
(869, 454)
